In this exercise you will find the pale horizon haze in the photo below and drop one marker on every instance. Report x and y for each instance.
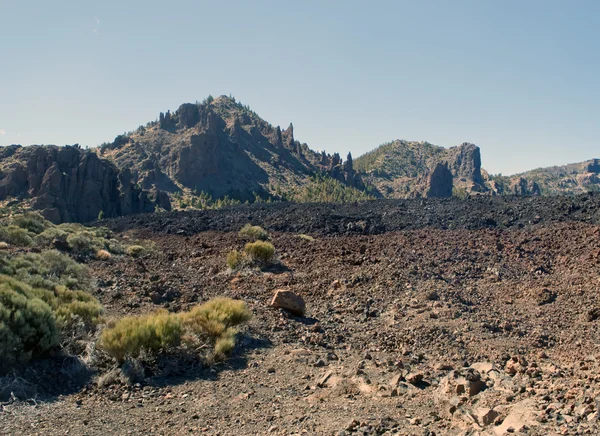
(518, 78)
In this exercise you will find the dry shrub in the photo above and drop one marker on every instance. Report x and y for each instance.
(234, 259)
(216, 316)
(253, 232)
(213, 322)
(153, 332)
(260, 252)
(103, 255)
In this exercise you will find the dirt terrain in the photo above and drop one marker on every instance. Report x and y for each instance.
(424, 317)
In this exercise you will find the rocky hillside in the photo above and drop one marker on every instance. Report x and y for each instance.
(574, 178)
(67, 184)
(401, 169)
(222, 148)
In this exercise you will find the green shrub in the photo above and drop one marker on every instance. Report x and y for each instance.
(15, 235)
(60, 282)
(84, 243)
(254, 233)
(260, 252)
(32, 222)
(50, 236)
(131, 335)
(136, 250)
(27, 324)
(234, 259)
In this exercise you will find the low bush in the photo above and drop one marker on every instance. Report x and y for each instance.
(27, 323)
(254, 233)
(136, 251)
(84, 243)
(234, 259)
(213, 322)
(128, 337)
(15, 235)
(216, 316)
(260, 252)
(32, 222)
(307, 238)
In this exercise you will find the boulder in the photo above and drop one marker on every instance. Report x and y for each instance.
(289, 301)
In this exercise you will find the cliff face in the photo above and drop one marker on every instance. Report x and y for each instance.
(68, 183)
(222, 148)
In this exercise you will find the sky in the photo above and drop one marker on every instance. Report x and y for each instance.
(519, 78)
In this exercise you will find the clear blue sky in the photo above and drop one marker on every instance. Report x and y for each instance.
(519, 78)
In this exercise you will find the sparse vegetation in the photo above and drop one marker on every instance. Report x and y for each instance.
(253, 232)
(324, 189)
(307, 238)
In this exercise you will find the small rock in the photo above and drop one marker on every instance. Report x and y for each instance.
(414, 378)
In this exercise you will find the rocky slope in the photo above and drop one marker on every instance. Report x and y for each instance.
(481, 329)
(222, 148)
(401, 169)
(68, 184)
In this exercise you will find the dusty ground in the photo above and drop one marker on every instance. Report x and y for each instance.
(413, 332)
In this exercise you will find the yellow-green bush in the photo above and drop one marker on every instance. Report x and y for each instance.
(213, 322)
(234, 259)
(216, 316)
(27, 324)
(15, 235)
(136, 251)
(253, 232)
(260, 252)
(131, 335)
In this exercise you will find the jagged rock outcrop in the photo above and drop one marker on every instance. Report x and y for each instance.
(464, 162)
(70, 184)
(524, 187)
(222, 148)
(440, 182)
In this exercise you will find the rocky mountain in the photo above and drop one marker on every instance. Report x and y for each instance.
(68, 183)
(222, 148)
(401, 169)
